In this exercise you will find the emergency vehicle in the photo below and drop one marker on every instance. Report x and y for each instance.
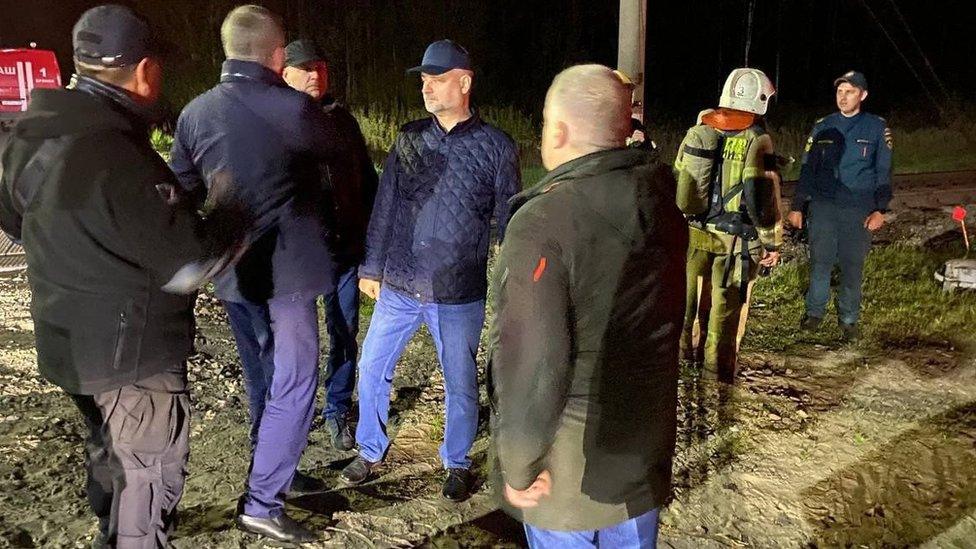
(21, 71)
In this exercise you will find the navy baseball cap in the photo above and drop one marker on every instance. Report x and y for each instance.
(114, 36)
(442, 56)
(853, 78)
(302, 51)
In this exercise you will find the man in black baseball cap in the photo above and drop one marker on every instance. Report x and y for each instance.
(349, 180)
(105, 254)
(112, 43)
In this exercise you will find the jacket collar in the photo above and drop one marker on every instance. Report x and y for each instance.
(139, 115)
(235, 70)
(460, 127)
(595, 163)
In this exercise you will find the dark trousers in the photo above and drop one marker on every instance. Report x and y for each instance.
(278, 342)
(136, 454)
(837, 237)
(342, 323)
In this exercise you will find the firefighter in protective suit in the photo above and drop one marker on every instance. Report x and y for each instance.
(728, 189)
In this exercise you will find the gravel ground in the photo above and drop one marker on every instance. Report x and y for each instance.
(824, 446)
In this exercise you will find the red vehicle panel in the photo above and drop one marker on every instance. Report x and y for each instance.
(22, 70)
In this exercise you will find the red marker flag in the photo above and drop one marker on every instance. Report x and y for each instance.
(959, 213)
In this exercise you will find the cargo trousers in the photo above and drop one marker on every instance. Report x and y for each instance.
(136, 455)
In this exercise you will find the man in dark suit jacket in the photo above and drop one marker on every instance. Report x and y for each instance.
(261, 138)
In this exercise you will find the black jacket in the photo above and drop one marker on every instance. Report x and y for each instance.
(351, 183)
(589, 298)
(100, 244)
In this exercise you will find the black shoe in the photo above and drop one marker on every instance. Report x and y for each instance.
(457, 486)
(341, 433)
(810, 323)
(357, 471)
(302, 485)
(280, 528)
(848, 332)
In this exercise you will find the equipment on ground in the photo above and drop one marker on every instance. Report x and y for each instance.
(957, 274)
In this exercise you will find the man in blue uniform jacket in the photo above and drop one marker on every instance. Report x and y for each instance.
(845, 184)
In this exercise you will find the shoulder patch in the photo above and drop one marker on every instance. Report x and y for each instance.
(888, 137)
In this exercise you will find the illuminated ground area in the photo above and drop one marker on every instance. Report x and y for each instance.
(818, 444)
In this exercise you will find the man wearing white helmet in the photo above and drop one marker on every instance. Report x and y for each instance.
(728, 190)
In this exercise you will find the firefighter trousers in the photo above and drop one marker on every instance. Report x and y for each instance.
(715, 316)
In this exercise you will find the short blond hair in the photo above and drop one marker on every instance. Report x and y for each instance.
(251, 33)
(596, 104)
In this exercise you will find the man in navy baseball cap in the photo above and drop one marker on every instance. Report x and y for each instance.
(854, 78)
(442, 56)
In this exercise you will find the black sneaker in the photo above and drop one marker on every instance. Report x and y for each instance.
(848, 332)
(810, 323)
(357, 471)
(457, 486)
(340, 433)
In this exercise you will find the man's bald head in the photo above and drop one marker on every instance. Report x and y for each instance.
(593, 104)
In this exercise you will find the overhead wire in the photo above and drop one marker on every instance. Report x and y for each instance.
(904, 57)
(918, 47)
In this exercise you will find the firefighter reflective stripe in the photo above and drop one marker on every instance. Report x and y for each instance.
(700, 153)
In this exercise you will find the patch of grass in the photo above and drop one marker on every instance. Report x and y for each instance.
(903, 306)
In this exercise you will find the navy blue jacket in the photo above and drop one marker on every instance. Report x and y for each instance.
(429, 232)
(263, 138)
(847, 161)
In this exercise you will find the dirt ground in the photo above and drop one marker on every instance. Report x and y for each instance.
(823, 446)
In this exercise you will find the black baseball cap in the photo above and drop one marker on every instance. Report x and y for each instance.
(442, 56)
(114, 36)
(853, 78)
(302, 51)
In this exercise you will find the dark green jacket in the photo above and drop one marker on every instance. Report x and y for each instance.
(588, 295)
(100, 244)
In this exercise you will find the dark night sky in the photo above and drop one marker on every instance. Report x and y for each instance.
(519, 45)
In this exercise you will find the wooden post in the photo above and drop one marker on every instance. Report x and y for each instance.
(630, 47)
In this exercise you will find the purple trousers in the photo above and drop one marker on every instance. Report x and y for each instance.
(286, 328)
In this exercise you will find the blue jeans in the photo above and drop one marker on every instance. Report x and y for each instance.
(281, 395)
(342, 323)
(456, 330)
(637, 533)
(837, 237)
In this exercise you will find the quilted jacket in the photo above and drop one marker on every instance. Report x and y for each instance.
(429, 231)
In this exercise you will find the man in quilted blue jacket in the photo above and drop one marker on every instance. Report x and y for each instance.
(443, 182)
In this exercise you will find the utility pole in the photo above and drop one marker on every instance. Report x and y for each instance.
(631, 48)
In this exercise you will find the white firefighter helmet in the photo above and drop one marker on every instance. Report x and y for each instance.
(747, 90)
